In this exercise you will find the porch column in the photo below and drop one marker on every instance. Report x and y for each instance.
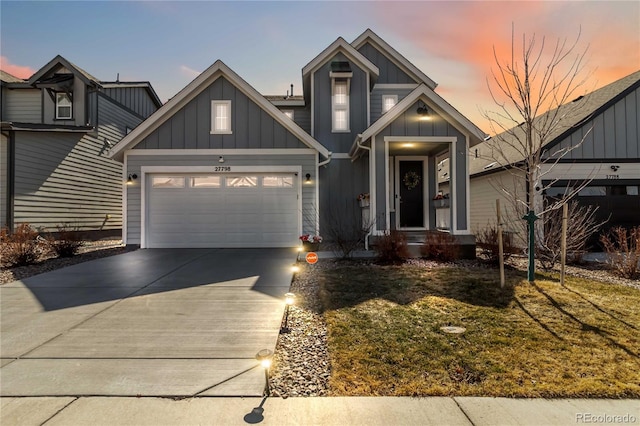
(459, 183)
(432, 173)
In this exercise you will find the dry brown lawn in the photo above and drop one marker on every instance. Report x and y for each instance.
(543, 340)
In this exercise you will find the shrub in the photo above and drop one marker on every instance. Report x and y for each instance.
(392, 247)
(623, 250)
(66, 242)
(343, 227)
(21, 247)
(487, 242)
(581, 225)
(441, 246)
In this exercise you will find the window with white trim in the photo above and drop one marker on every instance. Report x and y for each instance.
(241, 182)
(388, 102)
(167, 182)
(277, 182)
(64, 106)
(206, 182)
(340, 105)
(221, 117)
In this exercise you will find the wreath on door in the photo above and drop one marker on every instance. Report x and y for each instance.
(411, 180)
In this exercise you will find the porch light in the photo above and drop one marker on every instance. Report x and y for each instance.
(295, 269)
(264, 357)
(407, 145)
(131, 178)
(307, 179)
(423, 111)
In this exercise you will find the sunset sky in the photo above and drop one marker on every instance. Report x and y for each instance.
(268, 43)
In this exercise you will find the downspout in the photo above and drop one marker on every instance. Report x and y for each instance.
(327, 161)
(10, 175)
(368, 148)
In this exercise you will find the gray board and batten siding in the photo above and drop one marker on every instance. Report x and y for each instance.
(136, 162)
(135, 98)
(390, 73)
(301, 116)
(409, 124)
(68, 177)
(322, 128)
(80, 112)
(341, 181)
(613, 134)
(376, 99)
(190, 127)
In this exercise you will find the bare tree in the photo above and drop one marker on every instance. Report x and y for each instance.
(536, 92)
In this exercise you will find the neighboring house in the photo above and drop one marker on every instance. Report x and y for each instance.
(221, 165)
(57, 129)
(605, 129)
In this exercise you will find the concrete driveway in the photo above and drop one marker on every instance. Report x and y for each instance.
(155, 322)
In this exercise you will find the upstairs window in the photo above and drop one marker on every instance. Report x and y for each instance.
(221, 117)
(340, 105)
(64, 109)
(388, 102)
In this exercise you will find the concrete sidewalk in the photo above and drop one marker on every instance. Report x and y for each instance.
(316, 411)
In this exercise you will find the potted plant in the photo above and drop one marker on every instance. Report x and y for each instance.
(310, 242)
(363, 199)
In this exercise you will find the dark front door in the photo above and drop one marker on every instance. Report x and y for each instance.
(411, 194)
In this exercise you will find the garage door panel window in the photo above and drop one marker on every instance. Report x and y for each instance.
(168, 182)
(277, 182)
(206, 182)
(241, 182)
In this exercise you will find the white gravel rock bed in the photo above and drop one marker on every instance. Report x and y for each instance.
(301, 361)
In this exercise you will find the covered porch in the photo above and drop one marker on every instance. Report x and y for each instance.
(416, 199)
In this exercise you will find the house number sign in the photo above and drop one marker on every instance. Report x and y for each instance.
(222, 168)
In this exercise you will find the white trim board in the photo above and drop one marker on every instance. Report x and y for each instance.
(263, 151)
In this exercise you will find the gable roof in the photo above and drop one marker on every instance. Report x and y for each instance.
(432, 100)
(59, 60)
(393, 55)
(198, 85)
(9, 78)
(340, 45)
(578, 113)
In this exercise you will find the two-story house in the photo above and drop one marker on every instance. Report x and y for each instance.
(221, 165)
(57, 129)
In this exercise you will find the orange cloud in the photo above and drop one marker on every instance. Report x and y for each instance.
(463, 36)
(15, 70)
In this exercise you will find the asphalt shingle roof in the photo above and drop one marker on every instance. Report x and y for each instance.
(578, 112)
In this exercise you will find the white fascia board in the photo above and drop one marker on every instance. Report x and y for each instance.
(340, 45)
(393, 55)
(210, 169)
(409, 86)
(206, 78)
(263, 151)
(432, 100)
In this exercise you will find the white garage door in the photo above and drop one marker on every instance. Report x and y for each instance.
(222, 210)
